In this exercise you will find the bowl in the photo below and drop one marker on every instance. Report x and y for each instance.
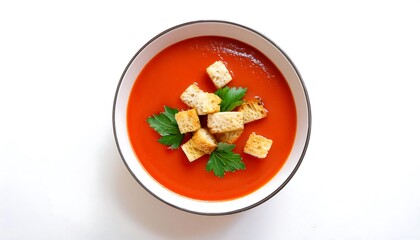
(228, 30)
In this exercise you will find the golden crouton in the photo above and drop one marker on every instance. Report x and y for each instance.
(191, 152)
(225, 121)
(190, 95)
(228, 137)
(204, 141)
(219, 74)
(187, 121)
(253, 110)
(208, 103)
(257, 145)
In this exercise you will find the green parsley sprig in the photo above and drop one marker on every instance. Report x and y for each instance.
(231, 97)
(167, 127)
(223, 159)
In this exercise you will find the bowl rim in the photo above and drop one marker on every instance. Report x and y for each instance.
(309, 115)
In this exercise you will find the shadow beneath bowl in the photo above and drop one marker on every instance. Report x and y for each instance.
(146, 210)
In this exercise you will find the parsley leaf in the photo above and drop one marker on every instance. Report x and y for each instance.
(167, 127)
(224, 160)
(231, 97)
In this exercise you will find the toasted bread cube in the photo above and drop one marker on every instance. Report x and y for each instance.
(204, 141)
(190, 95)
(187, 121)
(228, 137)
(253, 110)
(191, 152)
(208, 103)
(225, 121)
(257, 145)
(219, 74)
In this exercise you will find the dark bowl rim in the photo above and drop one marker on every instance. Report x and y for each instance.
(301, 82)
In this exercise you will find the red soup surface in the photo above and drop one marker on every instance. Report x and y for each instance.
(161, 83)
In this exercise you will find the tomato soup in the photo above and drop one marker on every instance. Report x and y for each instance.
(161, 83)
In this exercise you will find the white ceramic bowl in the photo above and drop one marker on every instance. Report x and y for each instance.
(243, 34)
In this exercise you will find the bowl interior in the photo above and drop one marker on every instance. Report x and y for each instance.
(223, 29)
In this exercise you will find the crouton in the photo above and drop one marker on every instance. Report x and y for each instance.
(188, 121)
(253, 110)
(204, 141)
(228, 137)
(208, 103)
(190, 95)
(219, 74)
(257, 145)
(225, 121)
(191, 152)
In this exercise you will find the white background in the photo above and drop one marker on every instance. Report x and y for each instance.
(61, 176)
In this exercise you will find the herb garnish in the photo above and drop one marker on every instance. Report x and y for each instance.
(223, 159)
(166, 125)
(231, 97)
